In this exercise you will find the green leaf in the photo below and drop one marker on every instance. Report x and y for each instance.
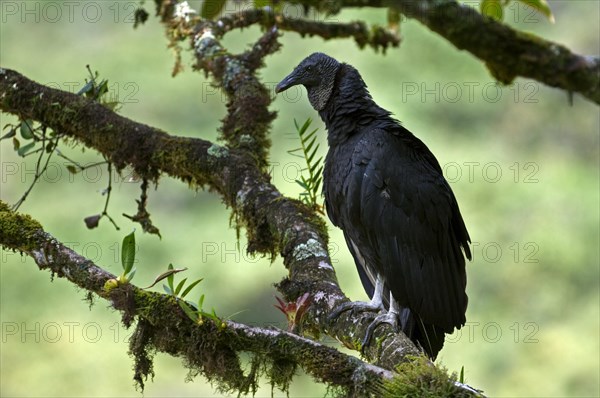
(302, 130)
(310, 159)
(302, 184)
(191, 304)
(167, 289)
(131, 274)
(26, 129)
(180, 286)
(72, 169)
(170, 278)
(306, 124)
(461, 379)
(200, 302)
(22, 151)
(309, 135)
(87, 87)
(169, 273)
(16, 143)
(293, 152)
(128, 252)
(190, 287)
(193, 315)
(234, 314)
(102, 88)
(49, 147)
(320, 171)
(309, 147)
(492, 8)
(211, 8)
(315, 191)
(317, 184)
(314, 167)
(541, 6)
(11, 133)
(212, 315)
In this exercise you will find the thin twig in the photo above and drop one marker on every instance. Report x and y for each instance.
(38, 173)
(77, 164)
(108, 191)
(142, 216)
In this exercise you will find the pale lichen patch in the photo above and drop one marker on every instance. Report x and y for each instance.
(217, 151)
(312, 248)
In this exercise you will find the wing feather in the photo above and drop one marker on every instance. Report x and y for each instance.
(401, 216)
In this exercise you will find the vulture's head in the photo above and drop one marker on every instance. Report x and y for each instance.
(317, 73)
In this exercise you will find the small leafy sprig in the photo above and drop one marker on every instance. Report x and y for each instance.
(29, 132)
(31, 138)
(96, 90)
(173, 290)
(42, 141)
(127, 260)
(308, 150)
(193, 310)
(197, 314)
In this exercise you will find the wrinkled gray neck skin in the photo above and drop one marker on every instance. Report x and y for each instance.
(319, 95)
(351, 107)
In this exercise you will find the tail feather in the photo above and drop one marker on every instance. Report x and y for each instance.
(428, 337)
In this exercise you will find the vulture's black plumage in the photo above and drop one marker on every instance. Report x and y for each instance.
(385, 190)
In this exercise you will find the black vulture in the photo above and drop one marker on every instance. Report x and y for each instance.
(384, 188)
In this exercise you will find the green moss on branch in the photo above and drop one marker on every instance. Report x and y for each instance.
(17, 231)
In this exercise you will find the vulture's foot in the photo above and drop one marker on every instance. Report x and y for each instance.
(375, 305)
(391, 318)
(355, 306)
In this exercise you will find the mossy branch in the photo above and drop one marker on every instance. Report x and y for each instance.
(248, 120)
(274, 223)
(210, 349)
(507, 52)
(377, 37)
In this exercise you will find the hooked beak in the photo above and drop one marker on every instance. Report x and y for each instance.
(287, 82)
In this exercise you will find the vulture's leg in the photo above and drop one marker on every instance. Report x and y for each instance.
(390, 317)
(375, 305)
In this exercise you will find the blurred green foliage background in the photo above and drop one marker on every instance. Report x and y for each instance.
(524, 165)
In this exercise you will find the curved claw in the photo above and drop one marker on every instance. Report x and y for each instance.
(357, 306)
(391, 318)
